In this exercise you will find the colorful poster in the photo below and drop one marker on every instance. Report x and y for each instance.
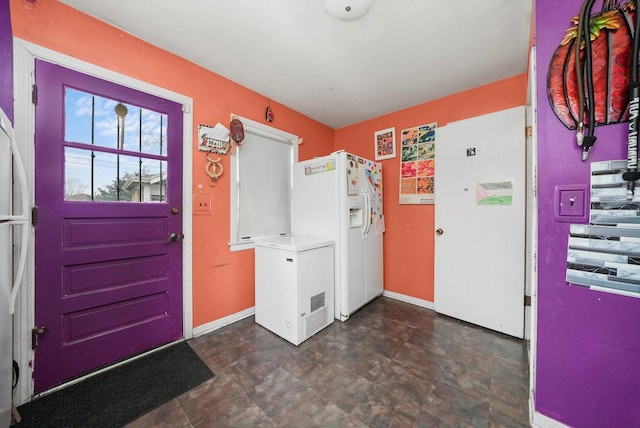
(384, 144)
(417, 164)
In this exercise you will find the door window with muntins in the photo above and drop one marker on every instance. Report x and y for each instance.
(113, 151)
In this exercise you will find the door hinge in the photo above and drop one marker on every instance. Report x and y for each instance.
(34, 94)
(527, 301)
(34, 216)
(35, 332)
(528, 131)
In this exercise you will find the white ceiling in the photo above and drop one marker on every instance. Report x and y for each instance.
(402, 53)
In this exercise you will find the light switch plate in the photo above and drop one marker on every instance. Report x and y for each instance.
(201, 204)
(571, 203)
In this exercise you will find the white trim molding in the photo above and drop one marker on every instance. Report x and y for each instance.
(219, 323)
(408, 299)
(541, 421)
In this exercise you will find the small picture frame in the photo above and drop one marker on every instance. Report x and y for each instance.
(384, 144)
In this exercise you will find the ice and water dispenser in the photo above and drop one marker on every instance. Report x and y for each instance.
(355, 212)
(354, 197)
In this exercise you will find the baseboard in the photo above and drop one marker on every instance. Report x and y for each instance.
(219, 323)
(408, 299)
(229, 319)
(542, 421)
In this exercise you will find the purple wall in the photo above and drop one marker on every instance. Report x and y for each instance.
(6, 60)
(588, 356)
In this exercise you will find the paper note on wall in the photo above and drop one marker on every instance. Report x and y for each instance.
(496, 193)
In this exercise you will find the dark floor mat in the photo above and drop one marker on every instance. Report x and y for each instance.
(120, 395)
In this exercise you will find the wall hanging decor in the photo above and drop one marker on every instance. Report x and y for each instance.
(589, 74)
(268, 115)
(384, 144)
(417, 164)
(237, 133)
(213, 139)
(213, 168)
(604, 255)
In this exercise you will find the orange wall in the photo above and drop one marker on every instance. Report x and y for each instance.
(409, 236)
(223, 282)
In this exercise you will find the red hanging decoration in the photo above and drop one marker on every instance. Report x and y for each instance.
(612, 39)
(237, 131)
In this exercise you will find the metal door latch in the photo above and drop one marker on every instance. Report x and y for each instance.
(35, 332)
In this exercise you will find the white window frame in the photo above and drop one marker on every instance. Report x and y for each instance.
(251, 127)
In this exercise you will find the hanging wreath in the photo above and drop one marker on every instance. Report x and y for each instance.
(611, 35)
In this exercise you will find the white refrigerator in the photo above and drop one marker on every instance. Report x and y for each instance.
(14, 230)
(339, 197)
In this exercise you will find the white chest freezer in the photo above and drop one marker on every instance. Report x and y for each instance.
(294, 285)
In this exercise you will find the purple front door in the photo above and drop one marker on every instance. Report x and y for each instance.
(109, 223)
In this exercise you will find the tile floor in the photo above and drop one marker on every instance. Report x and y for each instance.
(391, 365)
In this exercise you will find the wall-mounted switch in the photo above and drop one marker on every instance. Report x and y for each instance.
(201, 204)
(571, 203)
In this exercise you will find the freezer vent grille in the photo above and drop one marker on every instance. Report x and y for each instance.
(317, 302)
(316, 322)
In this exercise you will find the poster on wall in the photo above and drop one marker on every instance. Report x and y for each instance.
(417, 164)
(385, 143)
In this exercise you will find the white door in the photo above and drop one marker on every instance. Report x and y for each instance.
(480, 221)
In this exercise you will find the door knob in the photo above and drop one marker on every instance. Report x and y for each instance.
(439, 231)
(175, 236)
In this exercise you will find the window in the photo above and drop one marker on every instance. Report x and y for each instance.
(261, 184)
(113, 151)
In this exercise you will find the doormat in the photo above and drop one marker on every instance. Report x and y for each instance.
(120, 395)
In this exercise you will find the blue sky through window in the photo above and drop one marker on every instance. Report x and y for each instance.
(92, 120)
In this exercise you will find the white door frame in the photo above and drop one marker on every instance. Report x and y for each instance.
(532, 235)
(24, 56)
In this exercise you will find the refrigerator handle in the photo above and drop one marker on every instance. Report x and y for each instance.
(23, 219)
(367, 215)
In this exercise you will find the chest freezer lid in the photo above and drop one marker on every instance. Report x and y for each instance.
(294, 242)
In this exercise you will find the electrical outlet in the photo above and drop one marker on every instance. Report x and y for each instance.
(571, 203)
(201, 204)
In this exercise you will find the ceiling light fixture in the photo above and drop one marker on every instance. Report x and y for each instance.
(347, 10)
